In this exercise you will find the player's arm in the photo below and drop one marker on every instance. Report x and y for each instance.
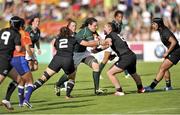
(27, 41)
(17, 41)
(173, 43)
(99, 49)
(94, 43)
(18, 48)
(38, 47)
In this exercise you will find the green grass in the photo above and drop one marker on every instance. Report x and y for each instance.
(85, 102)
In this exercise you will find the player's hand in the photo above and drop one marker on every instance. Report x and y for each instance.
(165, 54)
(39, 51)
(108, 41)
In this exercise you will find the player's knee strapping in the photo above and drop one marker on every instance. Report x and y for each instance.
(46, 75)
(70, 86)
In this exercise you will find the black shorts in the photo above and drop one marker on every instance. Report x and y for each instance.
(5, 66)
(66, 63)
(127, 62)
(174, 56)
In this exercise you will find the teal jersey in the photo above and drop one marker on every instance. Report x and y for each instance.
(34, 35)
(83, 34)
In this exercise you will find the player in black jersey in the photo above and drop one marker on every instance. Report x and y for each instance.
(61, 84)
(9, 41)
(34, 33)
(63, 59)
(82, 55)
(117, 27)
(127, 60)
(171, 56)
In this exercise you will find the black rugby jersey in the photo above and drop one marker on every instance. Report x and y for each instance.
(34, 35)
(165, 34)
(119, 44)
(65, 46)
(8, 39)
(117, 27)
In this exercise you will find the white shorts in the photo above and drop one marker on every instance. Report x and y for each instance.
(109, 49)
(27, 57)
(79, 56)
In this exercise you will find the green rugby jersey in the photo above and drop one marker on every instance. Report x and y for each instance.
(34, 35)
(83, 34)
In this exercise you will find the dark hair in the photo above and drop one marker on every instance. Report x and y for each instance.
(159, 22)
(113, 26)
(32, 19)
(15, 22)
(118, 12)
(70, 21)
(65, 32)
(22, 23)
(87, 22)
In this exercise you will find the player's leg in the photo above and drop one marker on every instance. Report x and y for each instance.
(167, 79)
(127, 75)
(165, 66)
(70, 84)
(138, 82)
(2, 77)
(93, 63)
(35, 65)
(27, 78)
(131, 68)
(52, 68)
(69, 69)
(11, 87)
(104, 61)
(21, 92)
(111, 74)
(48, 73)
(61, 81)
(31, 63)
(5, 67)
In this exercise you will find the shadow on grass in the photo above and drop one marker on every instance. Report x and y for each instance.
(51, 106)
(33, 101)
(68, 101)
(155, 91)
(148, 74)
(76, 82)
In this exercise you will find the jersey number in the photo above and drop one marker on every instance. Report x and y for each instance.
(5, 36)
(63, 43)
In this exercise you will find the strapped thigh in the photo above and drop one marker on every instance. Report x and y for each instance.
(89, 60)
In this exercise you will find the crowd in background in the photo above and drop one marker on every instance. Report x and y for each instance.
(137, 13)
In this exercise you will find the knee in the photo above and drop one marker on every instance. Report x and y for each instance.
(95, 66)
(109, 73)
(163, 69)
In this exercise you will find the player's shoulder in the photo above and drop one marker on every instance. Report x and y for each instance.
(28, 29)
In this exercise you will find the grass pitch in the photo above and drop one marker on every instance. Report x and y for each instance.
(44, 100)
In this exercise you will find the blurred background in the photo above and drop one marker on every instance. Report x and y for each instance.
(136, 21)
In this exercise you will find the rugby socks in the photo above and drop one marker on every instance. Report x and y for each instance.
(61, 81)
(21, 94)
(101, 67)
(70, 86)
(126, 72)
(96, 80)
(168, 83)
(139, 86)
(38, 84)
(119, 89)
(154, 83)
(28, 92)
(12, 86)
